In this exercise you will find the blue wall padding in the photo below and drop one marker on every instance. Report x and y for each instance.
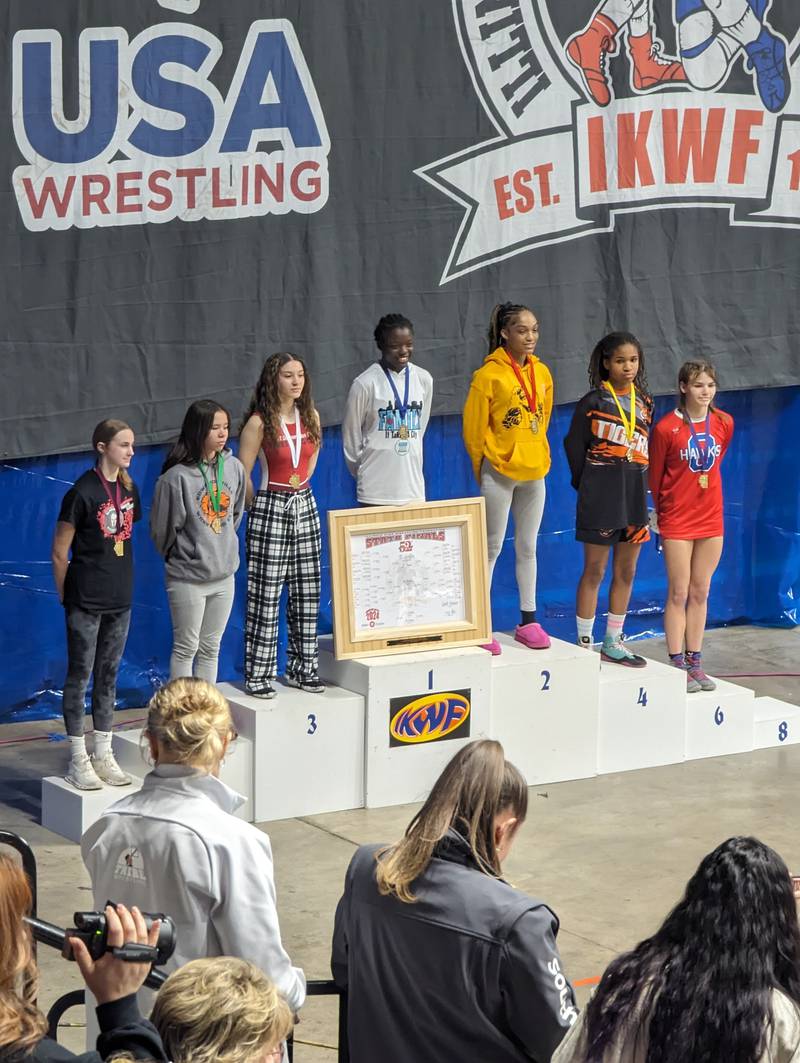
(758, 580)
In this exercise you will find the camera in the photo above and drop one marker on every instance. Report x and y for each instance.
(92, 929)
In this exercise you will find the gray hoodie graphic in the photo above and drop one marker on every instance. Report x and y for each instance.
(181, 522)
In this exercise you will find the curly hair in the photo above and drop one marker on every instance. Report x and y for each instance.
(266, 403)
(220, 1010)
(604, 349)
(502, 316)
(701, 986)
(21, 1023)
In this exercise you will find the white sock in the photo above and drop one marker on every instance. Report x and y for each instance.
(102, 744)
(585, 628)
(640, 20)
(614, 625)
(746, 29)
(77, 747)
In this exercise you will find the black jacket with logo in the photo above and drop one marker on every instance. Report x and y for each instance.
(470, 971)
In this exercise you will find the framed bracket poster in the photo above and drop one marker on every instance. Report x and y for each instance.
(409, 577)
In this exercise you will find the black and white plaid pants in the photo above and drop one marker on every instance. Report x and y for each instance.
(283, 547)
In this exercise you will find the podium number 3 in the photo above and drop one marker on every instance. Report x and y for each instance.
(312, 724)
(546, 677)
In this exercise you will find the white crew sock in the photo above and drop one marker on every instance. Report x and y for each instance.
(102, 744)
(585, 628)
(640, 20)
(77, 747)
(614, 625)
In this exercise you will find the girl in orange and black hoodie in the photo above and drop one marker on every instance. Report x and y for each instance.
(505, 432)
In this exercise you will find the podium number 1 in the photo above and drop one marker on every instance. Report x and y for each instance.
(546, 677)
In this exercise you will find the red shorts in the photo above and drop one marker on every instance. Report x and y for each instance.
(634, 533)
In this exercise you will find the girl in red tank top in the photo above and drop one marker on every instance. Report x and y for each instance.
(282, 430)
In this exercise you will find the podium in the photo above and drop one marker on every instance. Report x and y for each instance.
(775, 723)
(719, 721)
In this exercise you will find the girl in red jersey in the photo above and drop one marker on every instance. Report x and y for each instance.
(686, 450)
(607, 452)
(282, 431)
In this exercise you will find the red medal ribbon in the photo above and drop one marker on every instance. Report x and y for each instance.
(522, 382)
(116, 502)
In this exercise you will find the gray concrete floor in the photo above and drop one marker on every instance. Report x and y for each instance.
(610, 854)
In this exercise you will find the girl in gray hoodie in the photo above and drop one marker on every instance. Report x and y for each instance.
(197, 506)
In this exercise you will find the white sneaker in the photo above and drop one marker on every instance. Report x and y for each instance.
(82, 776)
(109, 771)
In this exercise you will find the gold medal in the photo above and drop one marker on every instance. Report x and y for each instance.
(119, 547)
(629, 453)
(216, 525)
(702, 479)
(294, 481)
(535, 424)
(403, 432)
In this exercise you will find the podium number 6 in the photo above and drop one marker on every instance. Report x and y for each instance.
(312, 724)
(719, 717)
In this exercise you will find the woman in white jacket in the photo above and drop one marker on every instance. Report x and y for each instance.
(176, 847)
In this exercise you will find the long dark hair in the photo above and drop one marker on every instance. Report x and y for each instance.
(476, 785)
(604, 349)
(701, 986)
(266, 404)
(104, 433)
(189, 449)
(501, 317)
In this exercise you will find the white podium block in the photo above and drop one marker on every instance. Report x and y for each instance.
(236, 770)
(70, 812)
(544, 709)
(642, 717)
(777, 723)
(308, 750)
(719, 722)
(421, 708)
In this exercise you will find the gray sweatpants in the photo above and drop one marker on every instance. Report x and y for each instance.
(200, 613)
(525, 500)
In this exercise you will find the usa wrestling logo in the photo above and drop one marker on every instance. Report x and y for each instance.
(645, 103)
(429, 717)
(157, 136)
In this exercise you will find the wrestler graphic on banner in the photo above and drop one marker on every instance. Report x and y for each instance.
(711, 35)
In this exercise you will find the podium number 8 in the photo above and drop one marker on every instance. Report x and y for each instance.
(783, 731)
(312, 724)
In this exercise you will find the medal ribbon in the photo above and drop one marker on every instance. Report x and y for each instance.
(115, 499)
(629, 427)
(296, 443)
(531, 397)
(215, 497)
(402, 407)
(705, 463)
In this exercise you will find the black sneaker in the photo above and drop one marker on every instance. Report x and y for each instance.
(260, 690)
(312, 685)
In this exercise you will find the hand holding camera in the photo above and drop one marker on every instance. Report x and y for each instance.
(109, 976)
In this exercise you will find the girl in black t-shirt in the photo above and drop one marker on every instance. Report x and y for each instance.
(95, 586)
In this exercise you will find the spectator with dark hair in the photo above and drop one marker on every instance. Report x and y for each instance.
(385, 418)
(719, 980)
(441, 958)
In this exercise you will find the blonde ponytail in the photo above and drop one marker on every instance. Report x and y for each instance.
(191, 720)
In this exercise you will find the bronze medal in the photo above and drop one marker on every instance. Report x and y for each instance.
(216, 525)
(702, 479)
(119, 547)
(294, 481)
(403, 432)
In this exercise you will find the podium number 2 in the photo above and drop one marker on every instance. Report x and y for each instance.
(312, 724)
(719, 717)
(642, 699)
(546, 677)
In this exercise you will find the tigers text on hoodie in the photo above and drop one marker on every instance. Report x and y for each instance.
(498, 420)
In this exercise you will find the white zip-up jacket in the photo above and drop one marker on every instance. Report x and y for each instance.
(175, 847)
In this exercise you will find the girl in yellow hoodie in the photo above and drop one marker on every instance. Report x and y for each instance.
(505, 432)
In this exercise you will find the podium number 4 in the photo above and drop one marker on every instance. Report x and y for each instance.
(642, 699)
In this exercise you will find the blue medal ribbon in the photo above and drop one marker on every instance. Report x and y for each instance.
(705, 456)
(401, 407)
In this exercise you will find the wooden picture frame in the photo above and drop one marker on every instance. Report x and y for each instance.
(408, 578)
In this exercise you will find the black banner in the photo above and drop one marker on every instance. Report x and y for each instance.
(193, 184)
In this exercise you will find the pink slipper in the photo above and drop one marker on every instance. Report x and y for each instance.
(533, 636)
(494, 647)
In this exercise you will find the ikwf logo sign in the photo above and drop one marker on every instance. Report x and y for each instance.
(647, 104)
(188, 150)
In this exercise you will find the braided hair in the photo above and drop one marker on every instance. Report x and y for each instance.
(605, 349)
(386, 324)
(502, 316)
(266, 404)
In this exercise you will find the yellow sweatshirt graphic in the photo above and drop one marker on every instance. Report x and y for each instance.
(498, 423)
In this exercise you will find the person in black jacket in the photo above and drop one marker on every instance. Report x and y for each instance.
(112, 981)
(441, 958)
(607, 451)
